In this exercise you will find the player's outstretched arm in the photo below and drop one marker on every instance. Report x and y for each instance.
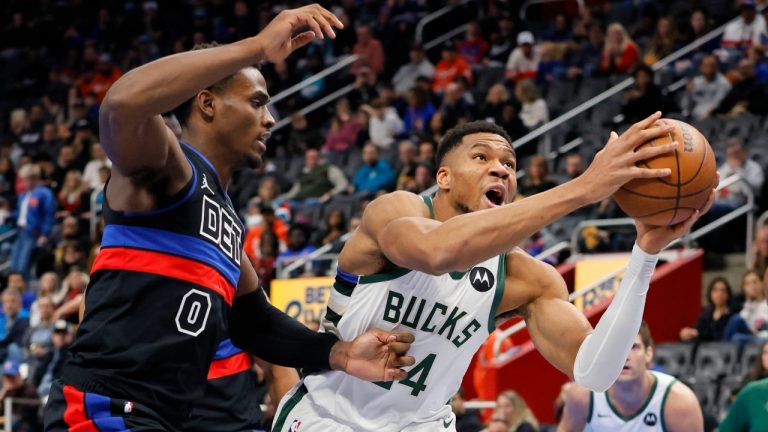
(681, 410)
(263, 330)
(396, 222)
(575, 409)
(593, 358)
(131, 128)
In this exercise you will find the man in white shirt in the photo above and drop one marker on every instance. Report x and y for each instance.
(705, 92)
(524, 60)
(383, 123)
(405, 77)
(91, 172)
(737, 162)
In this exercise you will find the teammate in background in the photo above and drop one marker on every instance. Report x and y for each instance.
(169, 283)
(640, 400)
(445, 267)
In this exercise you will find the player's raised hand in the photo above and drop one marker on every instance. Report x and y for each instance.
(375, 355)
(615, 164)
(652, 239)
(278, 39)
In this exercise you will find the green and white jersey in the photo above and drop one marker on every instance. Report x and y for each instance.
(603, 416)
(450, 316)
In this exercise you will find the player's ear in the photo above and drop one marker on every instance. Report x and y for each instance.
(649, 356)
(205, 102)
(444, 177)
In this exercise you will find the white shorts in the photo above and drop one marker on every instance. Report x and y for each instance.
(296, 413)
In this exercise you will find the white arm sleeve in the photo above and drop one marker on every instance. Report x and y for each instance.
(602, 354)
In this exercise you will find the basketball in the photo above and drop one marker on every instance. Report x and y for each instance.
(672, 199)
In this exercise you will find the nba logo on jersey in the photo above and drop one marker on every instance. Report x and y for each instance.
(650, 419)
(295, 426)
(128, 407)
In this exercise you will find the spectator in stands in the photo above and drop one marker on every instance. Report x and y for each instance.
(644, 97)
(7, 178)
(473, 47)
(710, 326)
(365, 88)
(50, 365)
(298, 246)
(705, 92)
(574, 166)
(748, 410)
(384, 124)
(342, 135)
(334, 227)
(73, 287)
(419, 65)
(551, 65)
(668, 404)
(25, 417)
(455, 108)
(73, 197)
(620, 53)
(585, 61)
(39, 338)
(746, 94)
(737, 162)
(497, 97)
(374, 174)
(512, 410)
(48, 284)
(524, 60)
(466, 420)
(511, 122)
(301, 136)
(560, 31)
(318, 181)
(744, 31)
(65, 162)
(534, 111)
(418, 112)
(98, 81)
(16, 281)
(427, 151)
(269, 193)
(264, 264)
(13, 322)
(536, 177)
(406, 165)
(759, 367)
(665, 41)
(760, 250)
(267, 222)
(98, 160)
(449, 67)
(424, 178)
(35, 218)
(500, 40)
(751, 324)
(369, 49)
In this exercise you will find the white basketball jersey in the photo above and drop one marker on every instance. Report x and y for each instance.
(604, 416)
(450, 316)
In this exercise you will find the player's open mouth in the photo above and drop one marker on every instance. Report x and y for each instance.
(495, 195)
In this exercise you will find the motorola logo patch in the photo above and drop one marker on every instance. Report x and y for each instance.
(481, 278)
(650, 419)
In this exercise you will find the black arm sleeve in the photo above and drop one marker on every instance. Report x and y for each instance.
(263, 330)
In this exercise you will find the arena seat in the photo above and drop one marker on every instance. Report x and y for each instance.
(674, 358)
(714, 360)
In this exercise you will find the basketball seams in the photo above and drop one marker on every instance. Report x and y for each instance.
(688, 195)
(654, 213)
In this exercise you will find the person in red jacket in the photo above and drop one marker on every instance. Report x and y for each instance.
(620, 52)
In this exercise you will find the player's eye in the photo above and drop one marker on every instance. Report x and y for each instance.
(509, 164)
(479, 157)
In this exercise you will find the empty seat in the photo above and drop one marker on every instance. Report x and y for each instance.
(715, 359)
(674, 358)
(749, 355)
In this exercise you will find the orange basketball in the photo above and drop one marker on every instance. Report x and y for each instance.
(672, 199)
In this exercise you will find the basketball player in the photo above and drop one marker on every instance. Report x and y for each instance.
(169, 283)
(442, 268)
(640, 400)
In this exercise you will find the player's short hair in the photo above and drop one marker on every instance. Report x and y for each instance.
(455, 135)
(182, 111)
(645, 335)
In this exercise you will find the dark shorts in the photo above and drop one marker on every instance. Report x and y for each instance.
(70, 409)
